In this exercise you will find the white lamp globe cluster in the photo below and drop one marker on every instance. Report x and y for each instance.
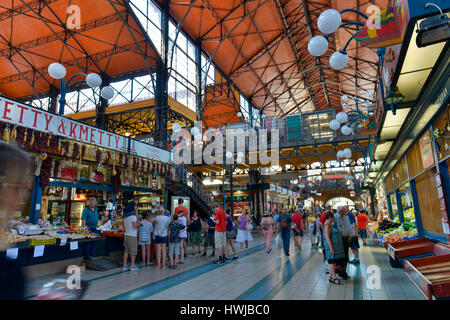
(346, 153)
(58, 71)
(341, 118)
(328, 22)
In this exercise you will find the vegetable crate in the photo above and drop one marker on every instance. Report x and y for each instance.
(431, 275)
(414, 249)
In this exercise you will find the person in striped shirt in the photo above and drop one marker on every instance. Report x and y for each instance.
(145, 231)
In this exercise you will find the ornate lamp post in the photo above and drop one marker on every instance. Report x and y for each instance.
(58, 71)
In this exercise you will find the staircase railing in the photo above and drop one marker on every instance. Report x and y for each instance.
(193, 185)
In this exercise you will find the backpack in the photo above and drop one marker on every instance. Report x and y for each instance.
(265, 225)
(283, 223)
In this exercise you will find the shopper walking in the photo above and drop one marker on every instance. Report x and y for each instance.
(354, 243)
(267, 231)
(15, 175)
(131, 223)
(160, 235)
(334, 249)
(244, 235)
(299, 226)
(89, 219)
(343, 224)
(230, 237)
(285, 231)
(220, 238)
(322, 219)
(195, 232)
(209, 235)
(175, 229)
(275, 221)
(145, 231)
(183, 214)
(362, 225)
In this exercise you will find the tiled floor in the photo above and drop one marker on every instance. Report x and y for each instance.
(256, 276)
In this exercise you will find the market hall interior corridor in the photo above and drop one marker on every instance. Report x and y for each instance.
(255, 276)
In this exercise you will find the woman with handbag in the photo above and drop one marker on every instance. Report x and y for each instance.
(160, 234)
(244, 228)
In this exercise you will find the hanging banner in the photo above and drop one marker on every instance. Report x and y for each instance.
(385, 27)
(27, 116)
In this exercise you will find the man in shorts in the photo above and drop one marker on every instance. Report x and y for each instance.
(220, 238)
(362, 225)
(297, 230)
(354, 243)
(209, 236)
(174, 239)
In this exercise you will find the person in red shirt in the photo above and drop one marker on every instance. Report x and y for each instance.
(298, 228)
(362, 225)
(220, 238)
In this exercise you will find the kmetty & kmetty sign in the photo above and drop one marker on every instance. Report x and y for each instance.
(27, 116)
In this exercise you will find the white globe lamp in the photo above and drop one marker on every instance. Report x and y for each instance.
(346, 130)
(317, 46)
(347, 153)
(342, 117)
(240, 155)
(338, 60)
(239, 160)
(93, 80)
(334, 124)
(239, 114)
(57, 70)
(107, 93)
(229, 155)
(176, 127)
(344, 98)
(340, 154)
(329, 21)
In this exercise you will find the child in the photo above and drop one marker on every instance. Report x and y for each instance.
(174, 240)
(145, 231)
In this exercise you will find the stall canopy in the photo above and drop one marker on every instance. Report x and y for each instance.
(262, 47)
(104, 38)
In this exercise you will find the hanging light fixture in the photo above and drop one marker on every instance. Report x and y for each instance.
(329, 22)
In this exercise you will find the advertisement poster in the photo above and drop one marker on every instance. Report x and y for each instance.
(186, 203)
(426, 149)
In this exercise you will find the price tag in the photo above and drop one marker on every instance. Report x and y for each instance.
(12, 253)
(63, 242)
(38, 251)
(74, 245)
(446, 227)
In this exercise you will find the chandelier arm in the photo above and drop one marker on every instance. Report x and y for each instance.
(344, 50)
(355, 11)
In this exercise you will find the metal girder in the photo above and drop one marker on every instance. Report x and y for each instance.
(54, 37)
(214, 16)
(22, 9)
(300, 65)
(76, 62)
(311, 33)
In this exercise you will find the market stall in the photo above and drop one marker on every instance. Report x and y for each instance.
(72, 163)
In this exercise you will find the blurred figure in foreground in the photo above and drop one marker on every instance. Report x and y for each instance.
(15, 167)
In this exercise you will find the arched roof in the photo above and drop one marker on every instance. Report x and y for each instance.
(261, 45)
(35, 34)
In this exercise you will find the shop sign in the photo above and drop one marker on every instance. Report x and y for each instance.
(426, 149)
(379, 109)
(144, 150)
(37, 119)
(390, 62)
(40, 120)
(385, 27)
(68, 174)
